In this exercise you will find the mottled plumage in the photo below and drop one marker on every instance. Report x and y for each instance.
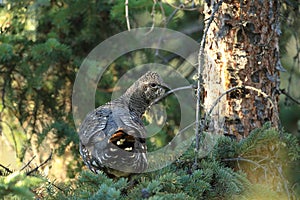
(112, 137)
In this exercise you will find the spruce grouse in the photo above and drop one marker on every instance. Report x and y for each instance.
(112, 137)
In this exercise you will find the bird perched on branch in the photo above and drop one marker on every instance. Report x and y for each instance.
(112, 137)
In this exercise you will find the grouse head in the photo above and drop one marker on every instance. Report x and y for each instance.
(152, 86)
(145, 90)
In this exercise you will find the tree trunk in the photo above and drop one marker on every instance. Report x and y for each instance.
(241, 49)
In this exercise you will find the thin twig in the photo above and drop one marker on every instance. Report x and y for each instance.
(289, 96)
(6, 169)
(126, 15)
(165, 24)
(239, 88)
(290, 80)
(3, 98)
(199, 129)
(183, 130)
(42, 164)
(279, 169)
(171, 92)
(247, 160)
(183, 6)
(171, 16)
(57, 187)
(12, 134)
(152, 16)
(28, 163)
(162, 12)
(296, 58)
(161, 36)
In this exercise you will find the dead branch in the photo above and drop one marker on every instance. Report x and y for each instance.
(157, 54)
(296, 60)
(171, 92)
(199, 126)
(11, 132)
(39, 166)
(162, 12)
(3, 98)
(126, 15)
(6, 169)
(289, 96)
(28, 163)
(183, 6)
(240, 88)
(165, 24)
(247, 160)
(153, 16)
(285, 182)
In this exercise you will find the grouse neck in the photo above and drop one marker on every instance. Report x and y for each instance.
(136, 103)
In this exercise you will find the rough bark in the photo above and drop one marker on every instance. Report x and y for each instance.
(242, 50)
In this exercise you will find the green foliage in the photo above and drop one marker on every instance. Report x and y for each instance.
(213, 177)
(290, 23)
(118, 11)
(144, 13)
(257, 139)
(232, 170)
(42, 45)
(268, 157)
(91, 186)
(50, 52)
(19, 186)
(211, 181)
(6, 52)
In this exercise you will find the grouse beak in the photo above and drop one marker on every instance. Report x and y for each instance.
(165, 87)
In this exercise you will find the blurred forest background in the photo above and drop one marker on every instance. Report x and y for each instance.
(42, 45)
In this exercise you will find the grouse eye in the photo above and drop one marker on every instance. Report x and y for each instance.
(153, 84)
